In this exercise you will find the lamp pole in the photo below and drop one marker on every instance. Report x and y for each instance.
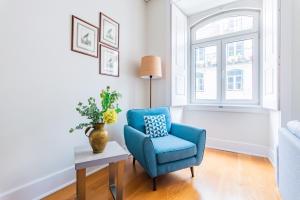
(150, 91)
(150, 69)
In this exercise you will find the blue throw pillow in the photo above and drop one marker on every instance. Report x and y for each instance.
(156, 125)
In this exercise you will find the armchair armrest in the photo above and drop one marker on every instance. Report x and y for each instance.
(192, 134)
(288, 164)
(141, 147)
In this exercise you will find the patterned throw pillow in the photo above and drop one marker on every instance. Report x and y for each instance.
(155, 125)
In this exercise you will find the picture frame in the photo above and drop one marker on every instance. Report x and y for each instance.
(109, 31)
(109, 61)
(84, 37)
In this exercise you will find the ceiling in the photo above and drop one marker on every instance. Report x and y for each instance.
(191, 7)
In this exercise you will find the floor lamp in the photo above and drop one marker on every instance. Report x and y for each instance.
(150, 69)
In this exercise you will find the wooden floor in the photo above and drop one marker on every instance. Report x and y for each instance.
(221, 176)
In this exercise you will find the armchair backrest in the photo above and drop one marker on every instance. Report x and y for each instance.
(135, 117)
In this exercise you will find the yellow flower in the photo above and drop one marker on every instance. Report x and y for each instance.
(110, 116)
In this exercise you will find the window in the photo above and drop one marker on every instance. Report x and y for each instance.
(224, 26)
(231, 50)
(224, 65)
(206, 72)
(199, 82)
(235, 80)
(239, 49)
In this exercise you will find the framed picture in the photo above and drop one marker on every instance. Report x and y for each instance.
(84, 37)
(109, 31)
(109, 61)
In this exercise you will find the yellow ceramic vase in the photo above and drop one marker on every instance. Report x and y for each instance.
(98, 138)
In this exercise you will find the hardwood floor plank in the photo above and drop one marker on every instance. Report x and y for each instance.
(221, 176)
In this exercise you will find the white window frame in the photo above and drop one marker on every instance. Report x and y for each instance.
(253, 13)
(220, 42)
(255, 70)
(193, 72)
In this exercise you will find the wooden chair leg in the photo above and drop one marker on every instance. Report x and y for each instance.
(133, 162)
(192, 171)
(154, 184)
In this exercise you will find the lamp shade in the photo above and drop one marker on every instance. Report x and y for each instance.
(150, 66)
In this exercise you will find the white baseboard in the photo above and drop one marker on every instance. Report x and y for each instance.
(238, 147)
(44, 186)
(272, 157)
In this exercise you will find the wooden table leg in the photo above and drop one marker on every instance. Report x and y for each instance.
(80, 183)
(119, 174)
(112, 178)
(116, 171)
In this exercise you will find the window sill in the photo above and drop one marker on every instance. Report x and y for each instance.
(226, 108)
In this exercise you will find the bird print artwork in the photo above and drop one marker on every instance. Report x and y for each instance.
(86, 40)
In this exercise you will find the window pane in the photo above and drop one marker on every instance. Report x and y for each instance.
(199, 82)
(239, 70)
(225, 26)
(206, 73)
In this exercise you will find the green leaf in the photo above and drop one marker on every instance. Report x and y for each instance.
(118, 110)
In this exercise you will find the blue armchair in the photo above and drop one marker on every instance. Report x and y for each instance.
(182, 148)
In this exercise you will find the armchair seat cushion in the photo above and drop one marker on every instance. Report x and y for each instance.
(171, 148)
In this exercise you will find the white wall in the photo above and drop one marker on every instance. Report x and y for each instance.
(41, 81)
(274, 124)
(158, 43)
(286, 49)
(290, 70)
(295, 60)
(290, 65)
(227, 130)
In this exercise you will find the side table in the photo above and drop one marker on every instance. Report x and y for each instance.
(113, 154)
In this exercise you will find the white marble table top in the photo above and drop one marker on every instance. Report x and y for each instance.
(84, 156)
